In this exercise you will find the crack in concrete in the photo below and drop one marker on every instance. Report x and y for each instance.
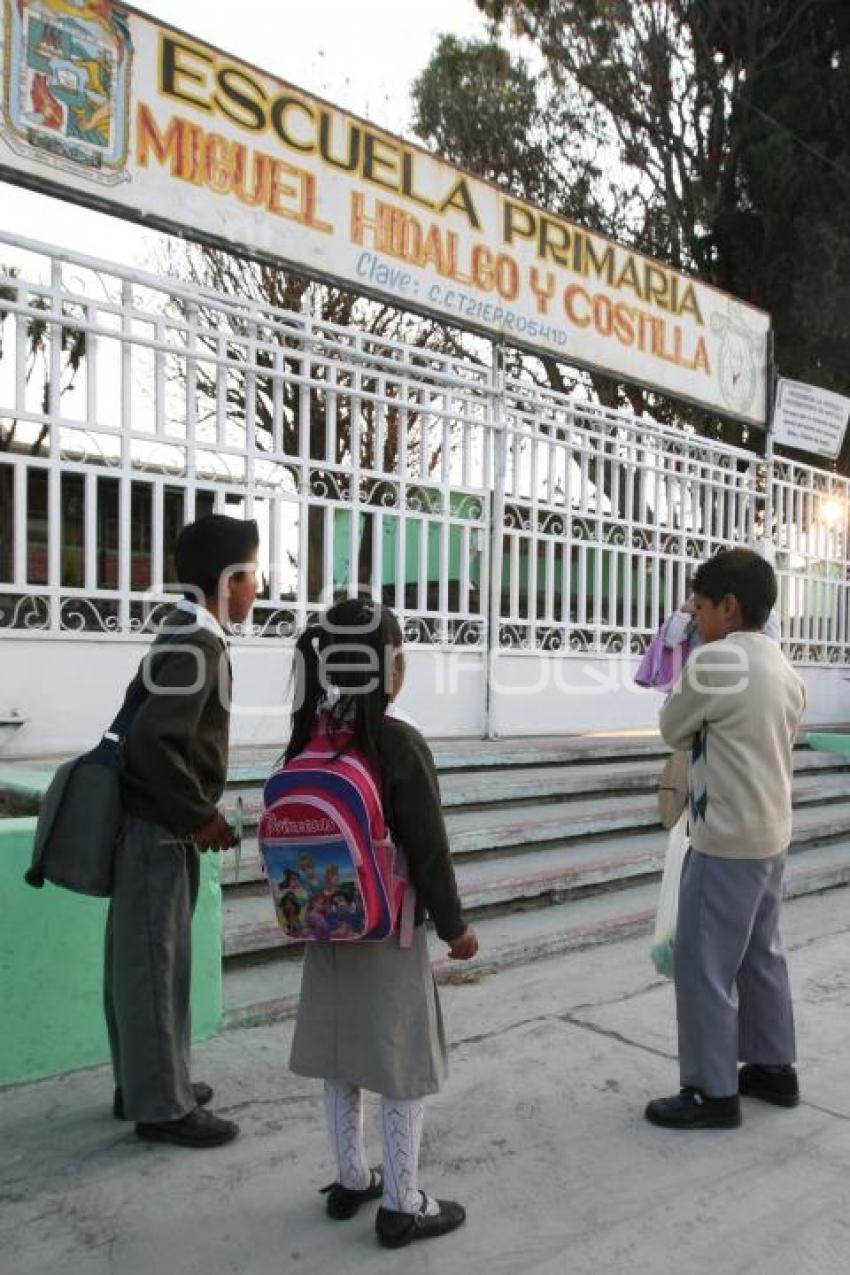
(611, 1034)
(570, 1020)
(826, 1111)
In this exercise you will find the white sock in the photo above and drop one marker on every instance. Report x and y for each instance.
(344, 1113)
(401, 1132)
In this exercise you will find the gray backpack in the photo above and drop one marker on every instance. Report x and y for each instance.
(79, 822)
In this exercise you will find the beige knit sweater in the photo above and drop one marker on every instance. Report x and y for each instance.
(736, 707)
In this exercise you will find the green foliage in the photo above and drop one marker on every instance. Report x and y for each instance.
(725, 127)
(480, 110)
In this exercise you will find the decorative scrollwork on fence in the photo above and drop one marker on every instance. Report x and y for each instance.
(379, 492)
(517, 518)
(29, 611)
(150, 616)
(615, 534)
(466, 633)
(551, 638)
(328, 484)
(614, 644)
(275, 622)
(424, 500)
(512, 637)
(468, 508)
(420, 630)
(584, 529)
(89, 615)
(551, 524)
(82, 447)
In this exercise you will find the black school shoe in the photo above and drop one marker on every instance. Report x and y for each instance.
(203, 1094)
(196, 1129)
(395, 1230)
(343, 1203)
(690, 1109)
(778, 1085)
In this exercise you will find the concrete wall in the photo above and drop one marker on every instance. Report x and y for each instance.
(51, 967)
(69, 690)
(556, 694)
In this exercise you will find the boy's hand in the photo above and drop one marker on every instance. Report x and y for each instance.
(215, 834)
(465, 947)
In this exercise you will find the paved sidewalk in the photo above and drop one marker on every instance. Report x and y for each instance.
(539, 1132)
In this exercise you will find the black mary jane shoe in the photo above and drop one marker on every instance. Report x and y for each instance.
(691, 1109)
(395, 1230)
(777, 1085)
(342, 1203)
(203, 1095)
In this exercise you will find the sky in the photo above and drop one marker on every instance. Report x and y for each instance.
(361, 55)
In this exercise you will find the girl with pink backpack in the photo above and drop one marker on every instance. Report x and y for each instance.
(357, 798)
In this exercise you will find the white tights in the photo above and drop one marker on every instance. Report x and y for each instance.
(401, 1133)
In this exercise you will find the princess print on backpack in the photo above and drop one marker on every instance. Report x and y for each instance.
(357, 858)
(332, 867)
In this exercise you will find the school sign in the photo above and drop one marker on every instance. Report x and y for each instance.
(105, 106)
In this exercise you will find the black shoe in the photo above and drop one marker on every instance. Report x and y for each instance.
(690, 1109)
(196, 1129)
(203, 1094)
(395, 1230)
(343, 1203)
(778, 1085)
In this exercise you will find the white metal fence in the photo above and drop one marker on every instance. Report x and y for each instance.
(472, 504)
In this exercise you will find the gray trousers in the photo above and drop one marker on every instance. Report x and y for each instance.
(147, 971)
(733, 998)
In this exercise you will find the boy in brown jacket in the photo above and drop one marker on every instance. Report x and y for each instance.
(175, 769)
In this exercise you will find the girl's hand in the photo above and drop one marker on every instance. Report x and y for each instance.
(465, 947)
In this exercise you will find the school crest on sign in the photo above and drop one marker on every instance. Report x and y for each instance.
(66, 85)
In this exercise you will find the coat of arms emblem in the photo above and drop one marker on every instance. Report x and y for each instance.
(66, 85)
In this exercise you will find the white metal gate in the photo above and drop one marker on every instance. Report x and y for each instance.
(497, 517)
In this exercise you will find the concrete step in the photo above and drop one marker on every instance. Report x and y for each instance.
(529, 878)
(258, 992)
(503, 827)
(534, 783)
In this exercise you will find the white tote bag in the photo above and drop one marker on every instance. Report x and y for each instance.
(664, 936)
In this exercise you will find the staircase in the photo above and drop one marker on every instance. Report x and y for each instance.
(556, 845)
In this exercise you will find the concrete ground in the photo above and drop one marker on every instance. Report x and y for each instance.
(539, 1132)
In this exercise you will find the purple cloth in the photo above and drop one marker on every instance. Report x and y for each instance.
(662, 664)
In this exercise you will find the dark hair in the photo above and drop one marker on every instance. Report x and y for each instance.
(207, 548)
(744, 574)
(347, 648)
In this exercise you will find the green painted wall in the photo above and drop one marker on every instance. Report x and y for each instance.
(51, 966)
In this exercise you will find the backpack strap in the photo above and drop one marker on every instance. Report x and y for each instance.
(123, 721)
(407, 920)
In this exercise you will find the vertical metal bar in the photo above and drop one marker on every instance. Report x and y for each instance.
(20, 523)
(492, 606)
(377, 580)
(191, 410)
(159, 356)
(90, 364)
(157, 536)
(422, 570)
(54, 473)
(124, 482)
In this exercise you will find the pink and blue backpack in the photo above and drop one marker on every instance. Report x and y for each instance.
(334, 872)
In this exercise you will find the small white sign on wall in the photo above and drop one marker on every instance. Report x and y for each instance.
(810, 418)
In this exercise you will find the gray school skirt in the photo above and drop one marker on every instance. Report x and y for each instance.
(369, 1015)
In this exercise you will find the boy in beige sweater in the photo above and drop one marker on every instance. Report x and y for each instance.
(736, 707)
